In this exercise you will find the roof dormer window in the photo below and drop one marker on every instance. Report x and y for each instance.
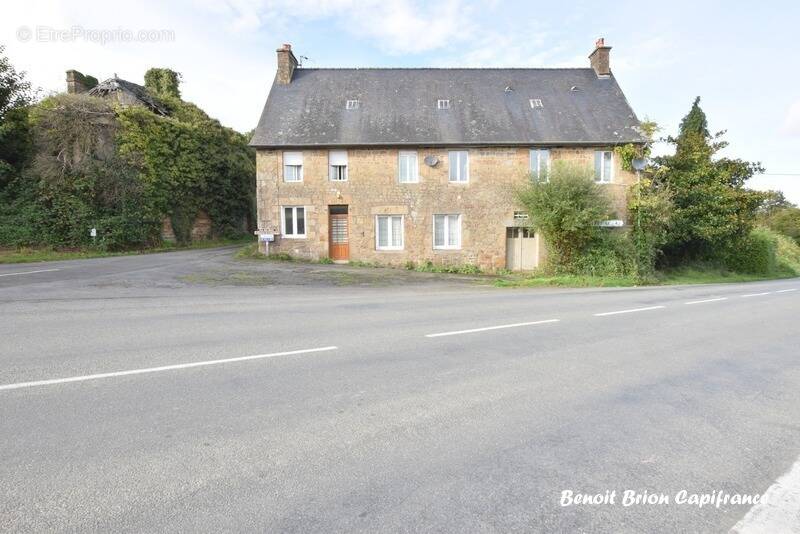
(443, 104)
(351, 104)
(536, 103)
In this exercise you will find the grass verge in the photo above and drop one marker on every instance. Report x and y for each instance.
(31, 255)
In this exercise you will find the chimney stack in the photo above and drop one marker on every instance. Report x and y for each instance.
(75, 83)
(600, 59)
(286, 64)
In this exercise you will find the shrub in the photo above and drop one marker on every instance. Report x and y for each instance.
(650, 210)
(786, 221)
(755, 254)
(610, 254)
(788, 255)
(566, 209)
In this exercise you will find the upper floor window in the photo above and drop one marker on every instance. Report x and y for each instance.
(352, 104)
(442, 104)
(337, 162)
(540, 164)
(536, 102)
(604, 166)
(293, 221)
(292, 166)
(447, 231)
(407, 168)
(459, 166)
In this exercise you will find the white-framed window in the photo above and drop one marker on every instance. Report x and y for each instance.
(337, 165)
(443, 104)
(535, 103)
(459, 166)
(447, 231)
(389, 232)
(603, 166)
(407, 167)
(293, 222)
(292, 166)
(351, 104)
(540, 164)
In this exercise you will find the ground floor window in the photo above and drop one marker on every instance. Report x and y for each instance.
(293, 221)
(389, 232)
(447, 231)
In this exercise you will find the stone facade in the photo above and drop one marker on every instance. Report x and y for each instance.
(486, 203)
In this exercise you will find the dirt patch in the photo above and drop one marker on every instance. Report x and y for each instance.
(242, 272)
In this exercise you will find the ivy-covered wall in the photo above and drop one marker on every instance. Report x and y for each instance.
(122, 170)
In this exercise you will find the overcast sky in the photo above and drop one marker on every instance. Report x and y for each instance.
(742, 58)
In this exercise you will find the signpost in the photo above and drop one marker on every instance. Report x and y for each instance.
(266, 239)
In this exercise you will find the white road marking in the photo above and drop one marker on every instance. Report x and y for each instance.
(786, 290)
(756, 294)
(498, 327)
(98, 376)
(777, 511)
(706, 300)
(30, 272)
(628, 311)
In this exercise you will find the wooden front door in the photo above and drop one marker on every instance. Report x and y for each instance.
(338, 242)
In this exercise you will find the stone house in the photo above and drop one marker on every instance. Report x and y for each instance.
(126, 93)
(397, 165)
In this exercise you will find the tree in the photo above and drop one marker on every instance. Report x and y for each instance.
(15, 136)
(566, 209)
(773, 201)
(713, 211)
(163, 82)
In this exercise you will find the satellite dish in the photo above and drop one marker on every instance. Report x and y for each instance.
(639, 164)
(431, 161)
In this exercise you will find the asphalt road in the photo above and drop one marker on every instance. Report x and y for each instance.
(398, 408)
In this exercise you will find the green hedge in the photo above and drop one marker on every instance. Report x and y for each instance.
(755, 254)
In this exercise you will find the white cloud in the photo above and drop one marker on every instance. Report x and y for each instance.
(791, 125)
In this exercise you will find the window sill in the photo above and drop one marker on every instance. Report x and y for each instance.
(294, 236)
(389, 250)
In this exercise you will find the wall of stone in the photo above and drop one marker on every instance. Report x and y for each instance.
(486, 202)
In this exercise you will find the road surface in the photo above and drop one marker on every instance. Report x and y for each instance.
(135, 396)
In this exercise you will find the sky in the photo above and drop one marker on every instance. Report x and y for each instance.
(741, 58)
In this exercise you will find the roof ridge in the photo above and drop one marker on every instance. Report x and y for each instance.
(443, 68)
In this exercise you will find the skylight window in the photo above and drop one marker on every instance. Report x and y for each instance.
(536, 103)
(443, 104)
(351, 104)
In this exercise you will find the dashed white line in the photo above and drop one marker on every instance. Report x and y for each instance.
(706, 300)
(777, 509)
(498, 327)
(628, 311)
(30, 272)
(786, 290)
(20, 385)
(755, 294)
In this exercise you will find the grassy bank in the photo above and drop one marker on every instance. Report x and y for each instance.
(695, 274)
(31, 255)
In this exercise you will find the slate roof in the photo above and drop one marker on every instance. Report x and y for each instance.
(140, 93)
(399, 107)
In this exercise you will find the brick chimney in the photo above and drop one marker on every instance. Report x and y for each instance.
(286, 64)
(75, 82)
(600, 58)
